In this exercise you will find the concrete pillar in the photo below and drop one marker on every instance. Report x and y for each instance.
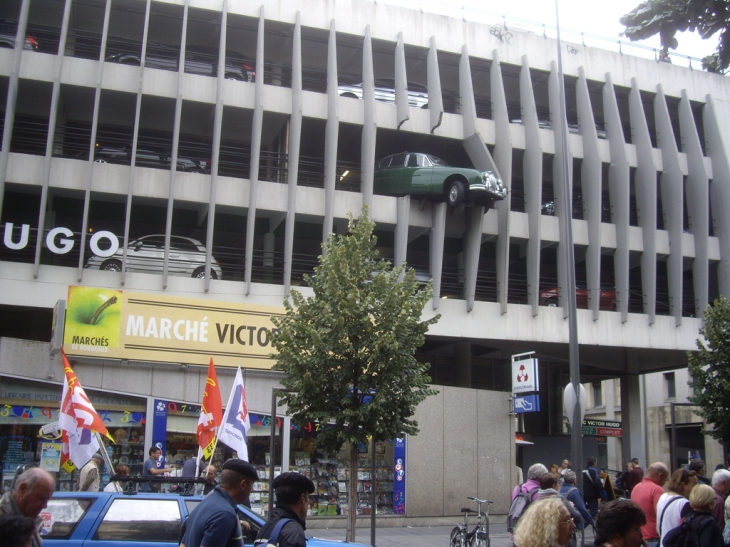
(462, 363)
(632, 441)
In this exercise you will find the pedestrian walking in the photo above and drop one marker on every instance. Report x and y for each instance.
(646, 495)
(673, 505)
(592, 486)
(546, 523)
(214, 523)
(292, 502)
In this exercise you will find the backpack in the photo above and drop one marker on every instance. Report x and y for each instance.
(518, 506)
(273, 540)
(683, 535)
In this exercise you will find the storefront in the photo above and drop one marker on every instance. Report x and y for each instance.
(26, 406)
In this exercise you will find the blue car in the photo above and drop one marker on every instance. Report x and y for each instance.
(111, 519)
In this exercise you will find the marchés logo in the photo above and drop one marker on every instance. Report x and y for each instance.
(93, 318)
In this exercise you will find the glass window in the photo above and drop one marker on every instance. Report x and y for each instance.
(141, 519)
(412, 160)
(671, 385)
(62, 515)
(597, 394)
(399, 160)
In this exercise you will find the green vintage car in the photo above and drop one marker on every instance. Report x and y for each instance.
(425, 175)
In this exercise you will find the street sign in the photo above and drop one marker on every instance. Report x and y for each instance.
(527, 403)
(524, 376)
(602, 427)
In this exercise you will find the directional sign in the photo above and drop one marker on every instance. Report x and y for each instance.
(527, 403)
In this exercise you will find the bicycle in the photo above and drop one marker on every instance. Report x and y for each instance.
(479, 536)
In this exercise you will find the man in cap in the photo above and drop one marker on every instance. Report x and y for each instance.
(214, 522)
(89, 475)
(29, 497)
(292, 502)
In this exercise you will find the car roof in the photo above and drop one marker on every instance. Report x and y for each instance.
(190, 239)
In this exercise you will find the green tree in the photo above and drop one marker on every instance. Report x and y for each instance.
(348, 350)
(710, 371)
(667, 17)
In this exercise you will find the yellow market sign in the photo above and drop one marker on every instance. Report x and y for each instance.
(126, 325)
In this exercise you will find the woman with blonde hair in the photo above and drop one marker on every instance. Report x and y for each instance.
(546, 523)
(700, 522)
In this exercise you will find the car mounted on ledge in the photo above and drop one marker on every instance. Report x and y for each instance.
(418, 174)
(146, 254)
(385, 91)
(550, 297)
(112, 519)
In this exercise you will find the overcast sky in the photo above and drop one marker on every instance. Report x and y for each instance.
(589, 16)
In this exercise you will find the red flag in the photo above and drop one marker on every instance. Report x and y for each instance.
(211, 412)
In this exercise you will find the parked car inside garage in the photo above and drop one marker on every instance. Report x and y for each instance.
(146, 254)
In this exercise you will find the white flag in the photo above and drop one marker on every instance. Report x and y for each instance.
(235, 424)
(82, 443)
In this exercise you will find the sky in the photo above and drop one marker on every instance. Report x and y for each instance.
(589, 16)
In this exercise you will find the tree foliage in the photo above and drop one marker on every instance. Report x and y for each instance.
(348, 351)
(710, 370)
(667, 17)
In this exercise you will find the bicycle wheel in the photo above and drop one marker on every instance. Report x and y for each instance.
(457, 535)
(480, 539)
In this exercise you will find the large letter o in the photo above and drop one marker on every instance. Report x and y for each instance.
(94, 244)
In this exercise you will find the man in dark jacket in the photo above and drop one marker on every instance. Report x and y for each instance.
(214, 523)
(292, 502)
(571, 493)
(592, 486)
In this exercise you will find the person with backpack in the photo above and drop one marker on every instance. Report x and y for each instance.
(592, 486)
(619, 525)
(286, 524)
(524, 494)
(673, 506)
(699, 528)
(573, 494)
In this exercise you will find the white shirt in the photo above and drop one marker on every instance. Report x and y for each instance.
(672, 515)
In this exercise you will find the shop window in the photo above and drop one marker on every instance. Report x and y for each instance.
(26, 406)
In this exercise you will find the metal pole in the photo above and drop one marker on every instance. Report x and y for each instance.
(272, 449)
(373, 496)
(569, 298)
(673, 444)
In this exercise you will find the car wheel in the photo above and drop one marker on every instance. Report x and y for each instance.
(199, 273)
(234, 76)
(349, 95)
(552, 303)
(111, 266)
(455, 193)
(424, 107)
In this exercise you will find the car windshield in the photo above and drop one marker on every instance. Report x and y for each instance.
(437, 161)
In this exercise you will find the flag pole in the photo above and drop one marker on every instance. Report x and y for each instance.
(106, 459)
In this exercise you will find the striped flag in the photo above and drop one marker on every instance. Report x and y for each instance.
(210, 413)
(78, 421)
(236, 422)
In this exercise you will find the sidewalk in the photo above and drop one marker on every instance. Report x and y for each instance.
(421, 536)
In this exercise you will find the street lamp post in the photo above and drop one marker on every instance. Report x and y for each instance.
(569, 293)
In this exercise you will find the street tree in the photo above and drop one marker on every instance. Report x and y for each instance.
(667, 17)
(709, 370)
(348, 350)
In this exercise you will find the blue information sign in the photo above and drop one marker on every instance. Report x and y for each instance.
(527, 403)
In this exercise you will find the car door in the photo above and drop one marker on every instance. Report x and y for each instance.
(391, 178)
(417, 175)
(69, 520)
(146, 254)
(139, 521)
(184, 256)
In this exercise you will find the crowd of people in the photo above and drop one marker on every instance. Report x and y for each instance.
(693, 509)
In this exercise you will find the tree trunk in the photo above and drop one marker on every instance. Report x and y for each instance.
(352, 494)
